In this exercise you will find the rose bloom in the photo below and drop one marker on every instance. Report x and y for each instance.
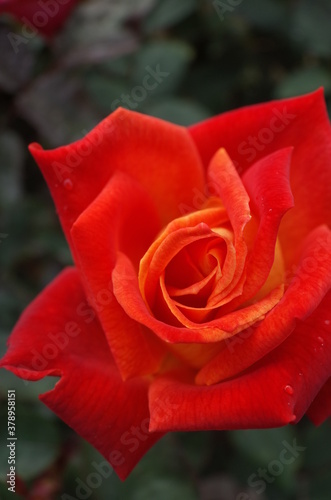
(43, 16)
(199, 298)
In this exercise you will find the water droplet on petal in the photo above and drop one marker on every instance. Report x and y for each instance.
(300, 374)
(327, 321)
(67, 183)
(289, 389)
(320, 341)
(270, 210)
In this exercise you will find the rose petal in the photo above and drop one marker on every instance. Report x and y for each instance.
(159, 155)
(320, 408)
(227, 184)
(267, 183)
(195, 300)
(59, 335)
(301, 123)
(127, 292)
(311, 282)
(170, 246)
(116, 221)
(154, 261)
(274, 392)
(197, 243)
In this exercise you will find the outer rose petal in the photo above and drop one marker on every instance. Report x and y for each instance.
(301, 123)
(320, 408)
(161, 156)
(90, 396)
(309, 286)
(123, 218)
(26, 10)
(272, 393)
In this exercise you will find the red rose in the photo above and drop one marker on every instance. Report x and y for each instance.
(200, 293)
(43, 16)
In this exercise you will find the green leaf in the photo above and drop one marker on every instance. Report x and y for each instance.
(195, 447)
(319, 486)
(107, 91)
(269, 15)
(12, 153)
(37, 437)
(311, 26)
(88, 470)
(161, 65)
(166, 13)
(262, 445)
(279, 453)
(25, 389)
(304, 80)
(164, 489)
(8, 495)
(178, 111)
(211, 85)
(319, 455)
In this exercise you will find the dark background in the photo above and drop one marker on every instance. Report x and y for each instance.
(218, 58)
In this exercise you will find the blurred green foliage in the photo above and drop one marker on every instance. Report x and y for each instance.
(215, 59)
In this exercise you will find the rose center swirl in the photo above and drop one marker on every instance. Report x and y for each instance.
(193, 270)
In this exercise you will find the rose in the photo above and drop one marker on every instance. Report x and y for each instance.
(38, 16)
(207, 284)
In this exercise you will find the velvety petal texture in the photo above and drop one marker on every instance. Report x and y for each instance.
(251, 133)
(268, 185)
(320, 409)
(102, 231)
(281, 387)
(77, 173)
(200, 296)
(303, 295)
(59, 335)
(153, 175)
